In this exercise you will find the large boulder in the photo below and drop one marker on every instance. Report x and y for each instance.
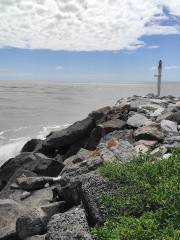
(148, 133)
(93, 186)
(33, 162)
(112, 125)
(175, 117)
(73, 168)
(63, 139)
(33, 222)
(137, 120)
(9, 213)
(116, 150)
(169, 126)
(100, 115)
(71, 225)
(126, 134)
(33, 145)
(101, 130)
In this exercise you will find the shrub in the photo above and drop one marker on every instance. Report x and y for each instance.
(144, 203)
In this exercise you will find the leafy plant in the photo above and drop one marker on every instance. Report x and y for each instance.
(145, 202)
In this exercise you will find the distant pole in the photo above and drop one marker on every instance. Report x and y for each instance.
(159, 78)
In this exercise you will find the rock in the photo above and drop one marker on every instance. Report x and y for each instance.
(167, 156)
(34, 183)
(94, 138)
(164, 116)
(149, 143)
(93, 186)
(100, 115)
(148, 133)
(53, 208)
(159, 152)
(178, 127)
(32, 162)
(175, 117)
(137, 120)
(111, 126)
(25, 195)
(141, 149)
(126, 135)
(71, 225)
(48, 166)
(172, 139)
(63, 139)
(37, 237)
(33, 222)
(178, 104)
(9, 213)
(34, 145)
(170, 147)
(157, 112)
(38, 198)
(79, 168)
(116, 150)
(169, 126)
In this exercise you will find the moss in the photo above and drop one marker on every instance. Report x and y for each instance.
(145, 201)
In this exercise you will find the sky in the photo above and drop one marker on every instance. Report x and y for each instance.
(89, 40)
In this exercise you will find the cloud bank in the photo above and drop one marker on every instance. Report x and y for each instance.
(85, 25)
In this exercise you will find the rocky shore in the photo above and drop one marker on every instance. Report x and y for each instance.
(51, 190)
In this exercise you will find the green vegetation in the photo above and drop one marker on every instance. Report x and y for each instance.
(145, 202)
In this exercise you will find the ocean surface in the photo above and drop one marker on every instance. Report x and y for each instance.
(33, 109)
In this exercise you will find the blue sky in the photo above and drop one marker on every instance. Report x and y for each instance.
(101, 52)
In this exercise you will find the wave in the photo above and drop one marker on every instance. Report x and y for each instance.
(12, 146)
(10, 150)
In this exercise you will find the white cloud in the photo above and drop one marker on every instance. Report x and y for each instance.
(83, 25)
(59, 68)
(153, 47)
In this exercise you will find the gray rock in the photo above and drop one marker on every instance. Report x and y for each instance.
(53, 208)
(172, 139)
(120, 150)
(79, 168)
(37, 237)
(169, 126)
(141, 149)
(71, 225)
(137, 120)
(167, 156)
(31, 162)
(100, 115)
(157, 112)
(175, 117)
(126, 135)
(112, 125)
(33, 222)
(69, 136)
(159, 152)
(148, 133)
(33, 183)
(94, 138)
(33, 145)
(93, 186)
(9, 213)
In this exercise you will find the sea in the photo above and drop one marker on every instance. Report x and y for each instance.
(34, 109)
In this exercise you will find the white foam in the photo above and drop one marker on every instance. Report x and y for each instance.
(10, 150)
(13, 146)
(47, 129)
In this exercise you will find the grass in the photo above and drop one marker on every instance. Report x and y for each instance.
(145, 202)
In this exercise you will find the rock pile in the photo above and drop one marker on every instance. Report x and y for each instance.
(52, 191)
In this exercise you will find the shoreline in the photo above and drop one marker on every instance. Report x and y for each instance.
(54, 182)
